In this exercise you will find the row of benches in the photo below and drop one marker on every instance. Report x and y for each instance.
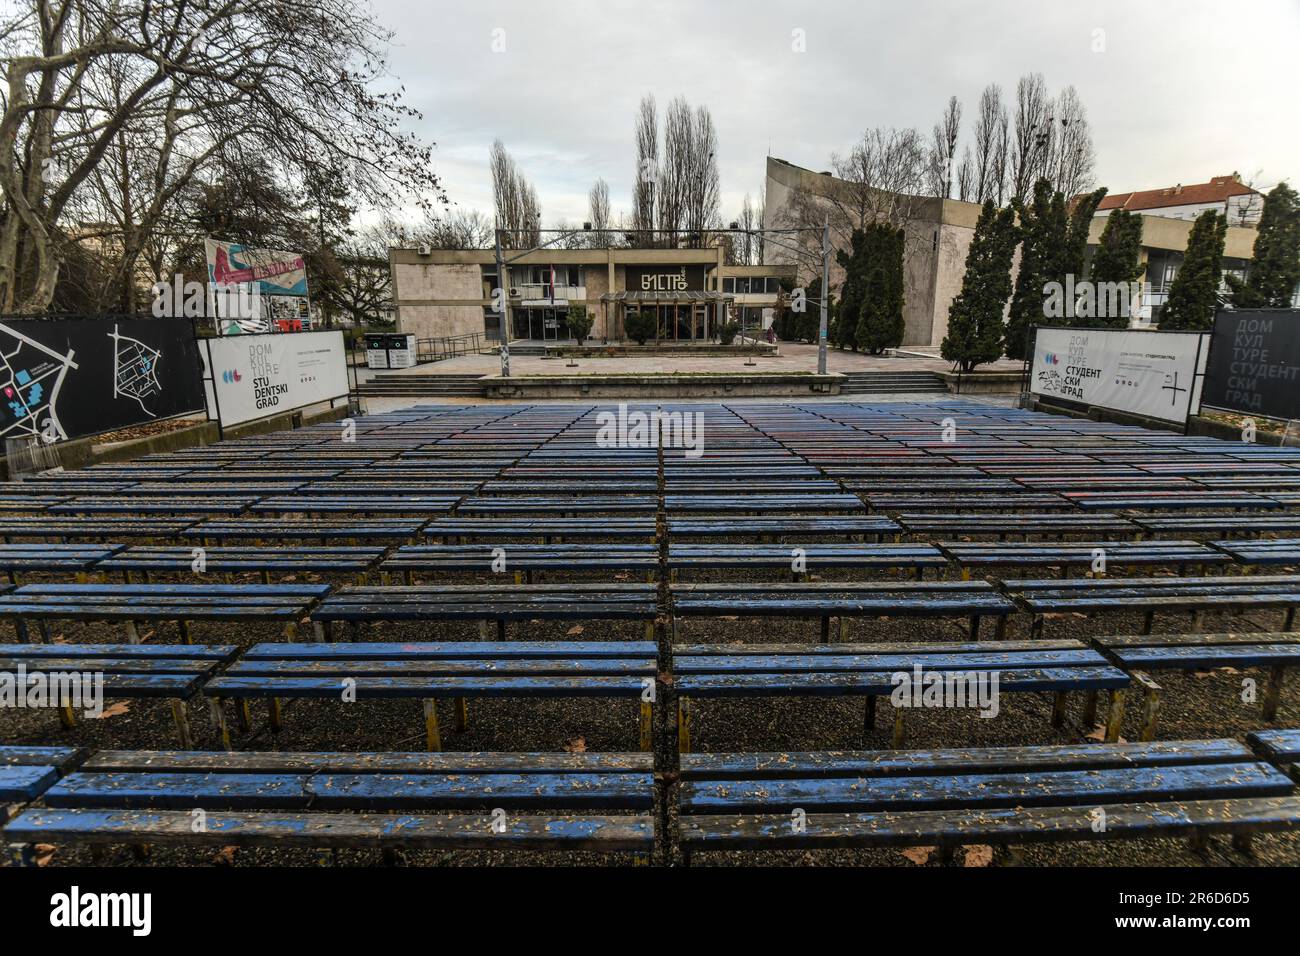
(967, 675)
(608, 802)
(352, 606)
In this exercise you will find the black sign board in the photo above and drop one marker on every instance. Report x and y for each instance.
(1254, 363)
(664, 279)
(65, 378)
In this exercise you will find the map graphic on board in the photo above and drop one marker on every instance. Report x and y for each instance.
(135, 369)
(30, 378)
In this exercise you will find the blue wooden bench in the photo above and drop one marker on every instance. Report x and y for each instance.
(66, 528)
(1274, 551)
(66, 559)
(1007, 795)
(177, 505)
(746, 503)
(1152, 500)
(524, 561)
(1003, 503)
(431, 671)
(811, 555)
(132, 603)
(824, 600)
(148, 560)
(1139, 653)
(392, 801)
(866, 527)
(544, 530)
(129, 671)
(872, 670)
(1220, 526)
(485, 603)
(1197, 595)
(1279, 747)
(26, 773)
(1081, 554)
(355, 504)
(557, 505)
(30, 503)
(328, 530)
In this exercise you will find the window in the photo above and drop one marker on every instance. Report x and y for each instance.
(729, 285)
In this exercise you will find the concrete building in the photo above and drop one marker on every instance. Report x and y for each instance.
(448, 292)
(939, 235)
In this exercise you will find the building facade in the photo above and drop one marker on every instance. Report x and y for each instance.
(1226, 194)
(690, 292)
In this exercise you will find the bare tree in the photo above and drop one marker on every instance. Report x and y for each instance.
(881, 179)
(966, 177)
(1032, 143)
(745, 245)
(514, 201)
(647, 169)
(1073, 158)
(598, 213)
(943, 150)
(989, 122)
(1001, 159)
(290, 82)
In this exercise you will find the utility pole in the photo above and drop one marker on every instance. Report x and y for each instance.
(502, 304)
(826, 293)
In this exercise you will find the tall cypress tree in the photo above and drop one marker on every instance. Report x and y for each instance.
(1118, 257)
(853, 263)
(975, 329)
(1275, 263)
(1036, 259)
(880, 315)
(1194, 294)
(1073, 251)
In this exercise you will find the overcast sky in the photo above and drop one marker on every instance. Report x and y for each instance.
(1183, 89)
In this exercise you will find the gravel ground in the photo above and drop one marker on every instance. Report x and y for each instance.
(1193, 705)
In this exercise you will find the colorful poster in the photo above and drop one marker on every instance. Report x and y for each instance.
(269, 271)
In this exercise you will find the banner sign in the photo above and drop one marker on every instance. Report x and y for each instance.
(273, 272)
(253, 376)
(1145, 373)
(66, 378)
(1254, 363)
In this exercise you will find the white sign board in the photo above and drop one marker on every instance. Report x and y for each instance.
(1142, 372)
(254, 376)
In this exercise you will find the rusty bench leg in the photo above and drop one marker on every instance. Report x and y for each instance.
(1114, 714)
(683, 725)
(180, 714)
(1273, 691)
(1150, 705)
(432, 736)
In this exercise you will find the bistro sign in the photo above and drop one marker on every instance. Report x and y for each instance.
(657, 279)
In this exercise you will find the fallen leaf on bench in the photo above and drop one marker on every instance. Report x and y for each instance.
(920, 855)
(1201, 675)
(113, 710)
(620, 577)
(978, 855)
(729, 617)
(578, 745)
(225, 856)
(289, 578)
(1230, 670)
(574, 631)
(43, 853)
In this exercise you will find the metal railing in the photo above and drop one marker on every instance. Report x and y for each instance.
(449, 346)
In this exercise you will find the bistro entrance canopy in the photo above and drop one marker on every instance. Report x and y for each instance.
(678, 308)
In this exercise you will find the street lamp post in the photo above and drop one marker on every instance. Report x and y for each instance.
(825, 295)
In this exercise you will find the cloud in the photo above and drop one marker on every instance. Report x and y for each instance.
(1182, 91)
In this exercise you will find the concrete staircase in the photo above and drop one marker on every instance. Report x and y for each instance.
(421, 386)
(878, 383)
